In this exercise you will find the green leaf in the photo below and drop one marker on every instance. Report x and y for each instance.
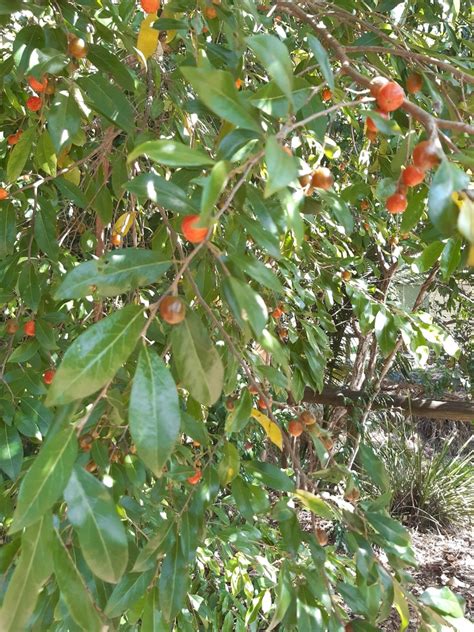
(322, 58)
(451, 257)
(216, 89)
(152, 621)
(45, 230)
(109, 63)
(270, 475)
(116, 273)
(275, 58)
(213, 187)
(339, 209)
(246, 305)
(7, 230)
(374, 467)
(108, 100)
(229, 465)
(282, 168)
(11, 451)
(45, 157)
(161, 541)
(239, 417)
(198, 363)
(127, 592)
(101, 534)
(95, 357)
(386, 331)
(170, 153)
(29, 286)
(389, 528)
(173, 582)
(401, 604)
(271, 100)
(31, 573)
(71, 192)
(389, 126)
(20, 154)
(443, 600)
(162, 192)
(73, 589)
(64, 120)
(154, 414)
(428, 257)
(283, 597)
(257, 271)
(315, 504)
(46, 479)
(442, 210)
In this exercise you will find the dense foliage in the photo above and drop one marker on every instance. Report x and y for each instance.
(162, 467)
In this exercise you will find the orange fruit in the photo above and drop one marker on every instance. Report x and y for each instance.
(414, 83)
(195, 478)
(396, 203)
(326, 94)
(77, 47)
(376, 84)
(48, 376)
(295, 428)
(3, 193)
(322, 178)
(37, 86)
(412, 176)
(193, 233)
(390, 96)
(34, 104)
(150, 6)
(172, 310)
(425, 155)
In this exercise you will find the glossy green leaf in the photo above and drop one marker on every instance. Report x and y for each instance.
(258, 271)
(374, 467)
(428, 257)
(116, 273)
(239, 417)
(7, 229)
(389, 528)
(94, 358)
(154, 414)
(229, 465)
(73, 589)
(101, 534)
(46, 479)
(387, 126)
(173, 582)
(270, 475)
(315, 504)
(29, 286)
(451, 257)
(284, 595)
(163, 192)
(213, 187)
(217, 91)
(11, 451)
(443, 600)
(31, 573)
(129, 589)
(271, 100)
(107, 99)
(152, 620)
(275, 58)
(386, 331)
(322, 58)
(246, 305)
(170, 153)
(45, 230)
(20, 154)
(109, 63)
(338, 207)
(282, 168)
(45, 157)
(161, 541)
(197, 361)
(442, 210)
(64, 120)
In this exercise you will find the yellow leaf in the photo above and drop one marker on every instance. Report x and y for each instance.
(466, 216)
(124, 223)
(73, 175)
(470, 257)
(270, 427)
(148, 37)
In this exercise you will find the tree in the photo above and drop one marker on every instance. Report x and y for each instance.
(207, 210)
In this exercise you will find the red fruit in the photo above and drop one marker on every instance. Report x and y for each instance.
(238, 83)
(295, 428)
(37, 86)
(116, 239)
(34, 104)
(150, 6)
(277, 313)
(326, 94)
(364, 205)
(371, 126)
(262, 403)
(322, 178)
(390, 97)
(29, 328)
(396, 203)
(425, 155)
(3, 193)
(11, 327)
(412, 176)
(48, 376)
(14, 138)
(210, 13)
(172, 310)
(193, 233)
(372, 136)
(195, 478)
(376, 84)
(414, 83)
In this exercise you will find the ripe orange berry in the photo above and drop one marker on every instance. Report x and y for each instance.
(414, 83)
(77, 47)
(396, 203)
(295, 428)
(29, 328)
(277, 313)
(34, 104)
(346, 275)
(14, 138)
(371, 125)
(322, 178)
(193, 233)
(48, 376)
(326, 94)
(390, 96)
(230, 403)
(150, 6)
(210, 13)
(172, 310)
(425, 155)
(307, 418)
(364, 205)
(11, 327)
(262, 403)
(253, 389)
(372, 136)
(376, 84)
(116, 240)
(238, 83)
(305, 179)
(412, 176)
(195, 478)
(37, 86)
(3, 193)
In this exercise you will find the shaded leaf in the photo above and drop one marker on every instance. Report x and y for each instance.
(275, 58)
(11, 451)
(170, 153)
